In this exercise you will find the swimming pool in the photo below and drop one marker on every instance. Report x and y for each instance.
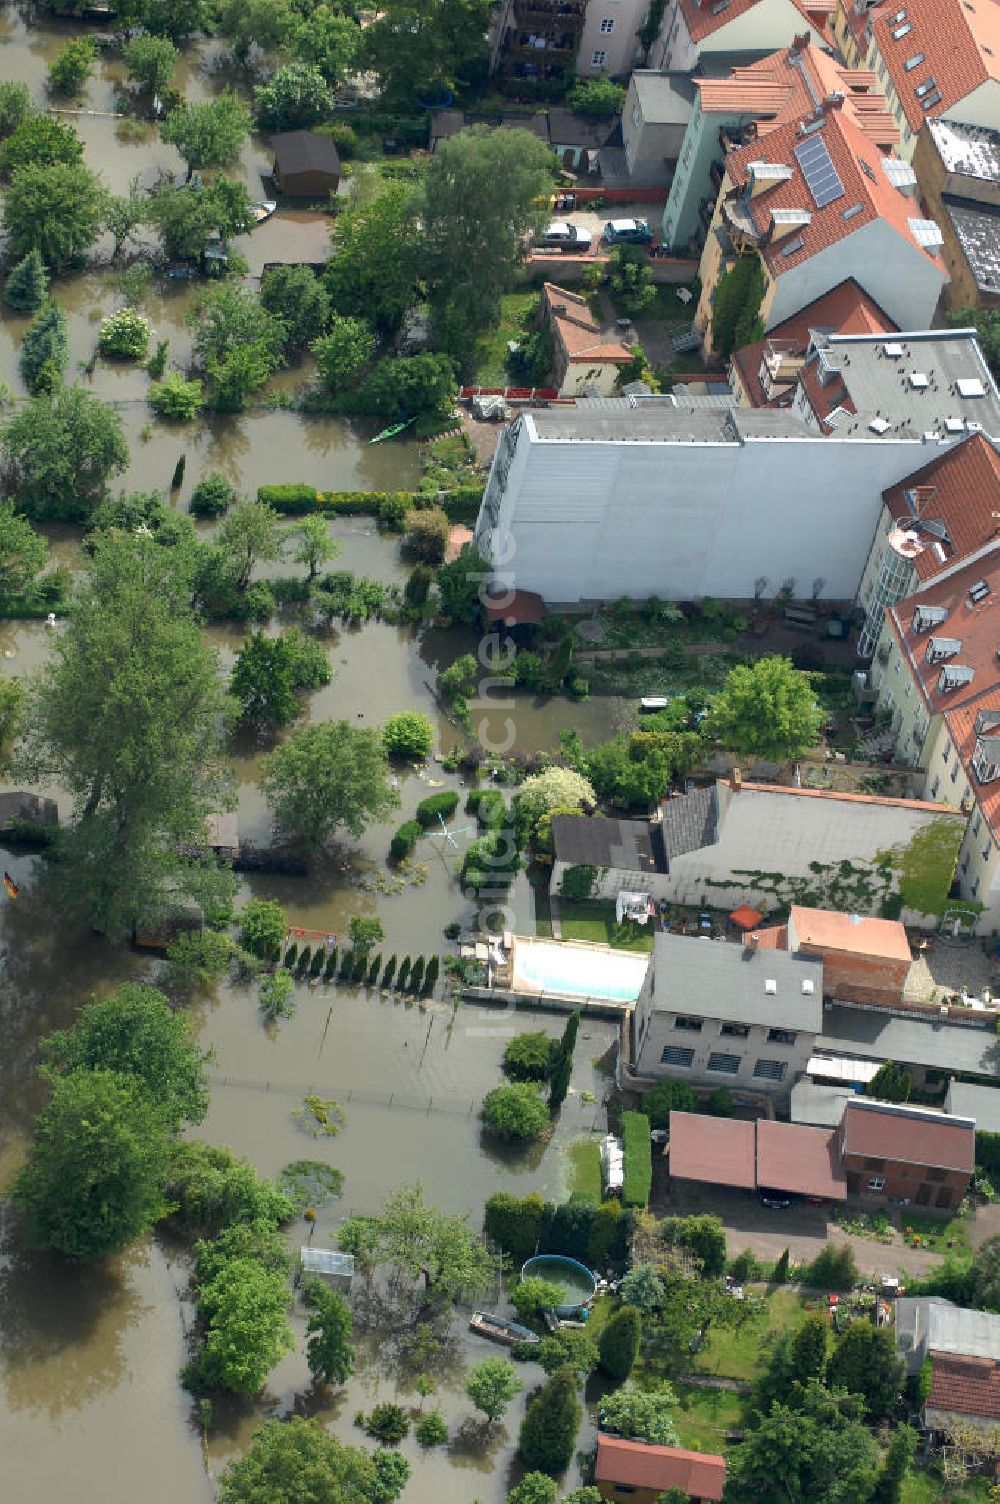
(577, 969)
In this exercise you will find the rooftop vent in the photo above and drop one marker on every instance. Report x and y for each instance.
(771, 987)
(970, 386)
(979, 591)
(808, 988)
(954, 425)
(919, 380)
(879, 425)
(892, 350)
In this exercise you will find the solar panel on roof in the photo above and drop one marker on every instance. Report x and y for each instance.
(819, 172)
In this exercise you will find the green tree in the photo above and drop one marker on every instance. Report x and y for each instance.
(124, 335)
(427, 534)
(562, 1062)
(328, 1348)
(295, 97)
(895, 1466)
(55, 210)
(365, 933)
(642, 1414)
(40, 141)
(431, 1430)
(208, 135)
(263, 680)
(244, 1311)
(237, 344)
(210, 1188)
(984, 1276)
(175, 19)
(516, 1112)
(93, 1180)
(26, 286)
(548, 1431)
(596, 96)
(150, 62)
(213, 496)
(72, 65)
(328, 777)
(16, 105)
(459, 584)
(185, 220)
(890, 1083)
(808, 1349)
(124, 213)
(476, 239)
(666, 1097)
(296, 296)
(534, 1488)
(619, 1344)
(259, 1239)
(287, 1456)
(864, 1362)
(554, 789)
(254, 23)
(567, 1347)
(408, 386)
(986, 322)
(344, 352)
(816, 1449)
(65, 447)
(136, 1034)
(766, 709)
(643, 1288)
(329, 40)
(736, 306)
(127, 715)
(276, 992)
(263, 927)
(704, 1236)
(408, 735)
(533, 1295)
(316, 546)
(528, 1057)
(425, 1243)
(420, 48)
(631, 280)
(251, 535)
(376, 257)
(491, 1385)
(44, 350)
(23, 553)
(175, 399)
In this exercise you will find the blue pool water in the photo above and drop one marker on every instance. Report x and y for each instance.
(577, 971)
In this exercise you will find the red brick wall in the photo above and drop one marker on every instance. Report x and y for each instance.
(860, 979)
(905, 1182)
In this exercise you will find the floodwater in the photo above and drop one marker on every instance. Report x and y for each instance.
(89, 1359)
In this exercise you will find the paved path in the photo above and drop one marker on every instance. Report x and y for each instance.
(555, 917)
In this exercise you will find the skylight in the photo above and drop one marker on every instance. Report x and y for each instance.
(913, 62)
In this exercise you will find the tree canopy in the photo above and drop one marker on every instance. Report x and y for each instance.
(53, 209)
(814, 1448)
(425, 1243)
(491, 1386)
(210, 134)
(66, 445)
(185, 219)
(376, 256)
(420, 48)
(766, 709)
(325, 778)
(290, 1461)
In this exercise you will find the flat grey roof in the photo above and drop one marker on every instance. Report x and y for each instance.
(880, 385)
(717, 979)
(567, 128)
(664, 98)
(600, 422)
(948, 1328)
(965, 1100)
(977, 230)
(969, 151)
(909, 1041)
(599, 842)
(820, 1106)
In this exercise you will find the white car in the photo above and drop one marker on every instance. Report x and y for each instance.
(566, 236)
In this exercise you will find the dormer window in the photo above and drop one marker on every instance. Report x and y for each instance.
(986, 759)
(925, 617)
(940, 649)
(954, 676)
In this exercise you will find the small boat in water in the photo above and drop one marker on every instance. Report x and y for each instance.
(391, 431)
(263, 211)
(500, 1329)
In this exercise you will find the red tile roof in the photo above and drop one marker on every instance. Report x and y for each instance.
(960, 43)
(578, 331)
(963, 490)
(720, 1151)
(965, 1386)
(805, 1161)
(845, 309)
(871, 190)
(786, 84)
(636, 1464)
(906, 1135)
(850, 934)
(961, 724)
(974, 624)
(792, 793)
(701, 20)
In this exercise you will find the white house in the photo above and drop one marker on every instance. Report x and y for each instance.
(691, 28)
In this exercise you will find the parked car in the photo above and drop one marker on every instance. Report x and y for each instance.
(628, 232)
(566, 236)
(775, 1201)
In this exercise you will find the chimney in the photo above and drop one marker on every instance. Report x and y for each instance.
(833, 102)
(736, 780)
(800, 43)
(751, 942)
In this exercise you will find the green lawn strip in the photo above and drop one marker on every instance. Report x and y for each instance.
(939, 1235)
(922, 1487)
(585, 1176)
(703, 1417)
(596, 922)
(739, 1354)
(491, 349)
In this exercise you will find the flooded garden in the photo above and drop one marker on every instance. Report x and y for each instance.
(90, 1356)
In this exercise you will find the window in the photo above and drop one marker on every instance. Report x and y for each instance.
(935, 785)
(636, 116)
(947, 752)
(770, 1070)
(877, 1183)
(977, 826)
(598, 58)
(975, 888)
(735, 1031)
(726, 1065)
(692, 1025)
(986, 852)
(935, 1174)
(954, 774)
(781, 1036)
(674, 1055)
(607, 26)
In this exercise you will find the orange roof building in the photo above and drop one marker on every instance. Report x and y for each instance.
(639, 1472)
(584, 354)
(964, 1387)
(865, 960)
(691, 28)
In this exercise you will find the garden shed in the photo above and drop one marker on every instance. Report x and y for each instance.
(306, 164)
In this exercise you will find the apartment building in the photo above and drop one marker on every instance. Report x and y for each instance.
(609, 42)
(535, 42)
(958, 174)
(694, 31)
(655, 118)
(817, 203)
(932, 58)
(743, 104)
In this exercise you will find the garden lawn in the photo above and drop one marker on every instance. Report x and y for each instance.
(585, 1175)
(596, 921)
(921, 1487)
(703, 1417)
(950, 1237)
(739, 1354)
(491, 348)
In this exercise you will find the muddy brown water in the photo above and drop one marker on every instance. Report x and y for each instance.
(89, 1358)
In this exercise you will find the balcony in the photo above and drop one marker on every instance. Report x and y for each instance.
(780, 365)
(522, 44)
(539, 14)
(737, 216)
(717, 172)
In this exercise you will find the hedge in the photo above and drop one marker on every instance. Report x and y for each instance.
(404, 840)
(443, 804)
(522, 1226)
(638, 1170)
(489, 806)
(460, 505)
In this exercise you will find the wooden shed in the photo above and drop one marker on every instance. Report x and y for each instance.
(306, 164)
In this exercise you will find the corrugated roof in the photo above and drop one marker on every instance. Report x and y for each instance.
(636, 1464)
(853, 934)
(965, 1386)
(959, 42)
(805, 1161)
(906, 1135)
(719, 1151)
